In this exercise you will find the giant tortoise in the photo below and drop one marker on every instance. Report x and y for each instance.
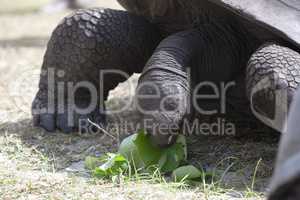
(177, 46)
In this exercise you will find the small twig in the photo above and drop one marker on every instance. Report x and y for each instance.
(102, 129)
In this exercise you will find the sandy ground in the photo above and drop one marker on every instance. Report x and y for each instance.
(38, 165)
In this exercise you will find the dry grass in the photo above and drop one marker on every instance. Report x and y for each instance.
(36, 165)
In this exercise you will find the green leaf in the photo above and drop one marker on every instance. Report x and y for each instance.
(139, 150)
(129, 150)
(162, 161)
(182, 141)
(188, 172)
(114, 164)
(149, 153)
(173, 156)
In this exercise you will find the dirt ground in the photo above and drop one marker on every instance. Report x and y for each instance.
(38, 165)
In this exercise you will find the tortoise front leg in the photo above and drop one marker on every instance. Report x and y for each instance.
(162, 97)
(272, 77)
(83, 47)
(211, 59)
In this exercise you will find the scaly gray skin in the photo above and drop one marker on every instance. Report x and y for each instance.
(161, 39)
(84, 43)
